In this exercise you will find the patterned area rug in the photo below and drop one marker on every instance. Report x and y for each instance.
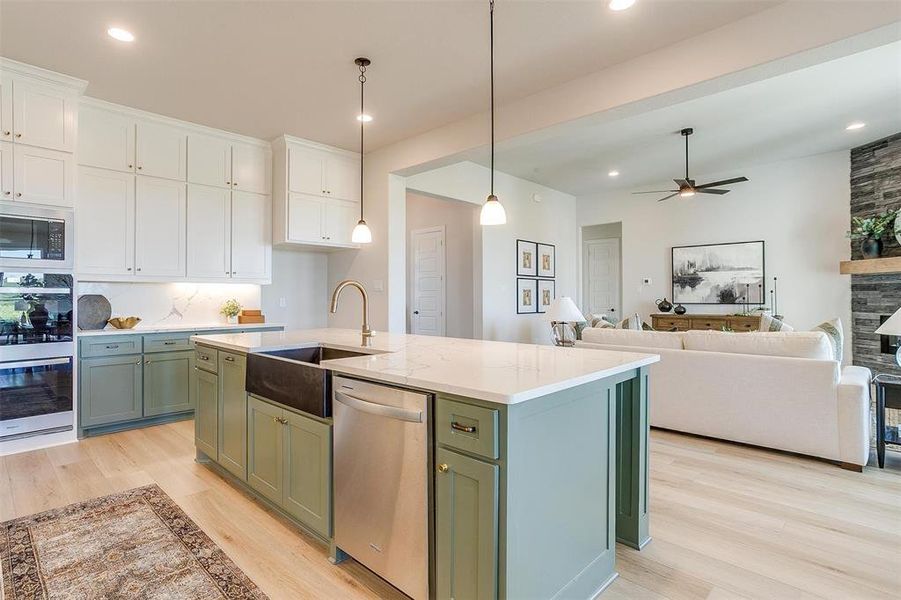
(135, 544)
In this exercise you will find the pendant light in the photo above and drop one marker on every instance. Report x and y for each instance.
(493, 212)
(361, 233)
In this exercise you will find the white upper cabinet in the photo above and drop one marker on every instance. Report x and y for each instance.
(105, 222)
(43, 116)
(106, 139)
(160, 228)
(251, 254)
(209, 232)
(6, 109)
(305, 216)
(209, 160)
(42, 176)
(161, 151)
(339, 222)
(306, 170)
(251, 168)
(342, 178)
(6, 171)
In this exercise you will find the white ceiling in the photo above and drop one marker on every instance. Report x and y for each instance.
(788, 116)
(266, 68)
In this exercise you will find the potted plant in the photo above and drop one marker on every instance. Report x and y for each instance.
(870, 232)
(230, 309)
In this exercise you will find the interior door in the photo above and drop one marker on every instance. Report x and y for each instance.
(250, 168)
(160, 229)
(602, 279)
(209, 232)
(43, 117)
(105, 222)
(305, 172)
(305, 218)
(251, 236)
(209, 160)
(43, 176)
(161, 151)
(106, 139)
(428, 280)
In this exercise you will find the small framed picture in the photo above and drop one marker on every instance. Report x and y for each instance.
(547, 261)
(526, 258)
(547, 291)
(526, 296)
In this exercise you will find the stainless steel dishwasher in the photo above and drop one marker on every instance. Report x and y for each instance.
(381, 469)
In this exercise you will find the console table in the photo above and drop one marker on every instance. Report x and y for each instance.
(673, 322)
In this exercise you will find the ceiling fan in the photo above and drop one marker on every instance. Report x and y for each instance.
(687, 187)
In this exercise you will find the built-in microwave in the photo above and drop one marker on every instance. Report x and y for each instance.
(32, 237)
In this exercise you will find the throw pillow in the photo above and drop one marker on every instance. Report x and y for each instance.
(579, 327)
(833, 331)
(595, 320)
(635, 323)
(770, 323)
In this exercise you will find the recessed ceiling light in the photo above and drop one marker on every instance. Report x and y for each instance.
(620, 4)
(365, 118)
(121, 34)
(856, 125)
(613, 174)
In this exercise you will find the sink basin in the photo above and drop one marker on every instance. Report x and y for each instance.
(294, 378)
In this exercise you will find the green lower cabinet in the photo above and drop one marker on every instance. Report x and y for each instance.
(233, 414)
(466, 531)
(110, 389)
(167, 387)
(206, 413)
(307, 472)
(265, 433)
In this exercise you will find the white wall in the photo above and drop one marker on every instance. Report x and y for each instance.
(800, 208)
(550, 221)
(301, 279)
(460, 221)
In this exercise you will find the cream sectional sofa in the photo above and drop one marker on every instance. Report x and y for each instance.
(778, 390)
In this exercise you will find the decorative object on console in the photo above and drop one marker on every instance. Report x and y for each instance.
(361, 233)
(526, 258)
(493, 212)
(871, 230)
(663, 305)
(562, 314)
(718, 273)
(94, 311)
(892, 327)
(771, 323)
(680, 310)
(547, 291)
(526, 296)
(230, 309)
(834, 333)
(547, 263)
(251, 316)
(124, 322)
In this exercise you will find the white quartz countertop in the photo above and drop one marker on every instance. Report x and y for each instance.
(139, 330)
(500, 372)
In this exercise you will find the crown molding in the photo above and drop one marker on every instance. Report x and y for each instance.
(46, 76)
(285, 139)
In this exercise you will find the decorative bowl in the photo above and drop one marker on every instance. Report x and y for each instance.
(124, 322)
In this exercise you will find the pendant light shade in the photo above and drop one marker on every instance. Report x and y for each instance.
(361, 233)
(493, 212)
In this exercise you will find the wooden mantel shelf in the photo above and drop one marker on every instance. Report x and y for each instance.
(871, 266)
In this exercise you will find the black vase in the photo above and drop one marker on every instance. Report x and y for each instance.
(680, 310)
(871, 247)
(664, 305)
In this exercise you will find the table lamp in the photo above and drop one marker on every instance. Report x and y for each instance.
(893, 327)
(562, 312)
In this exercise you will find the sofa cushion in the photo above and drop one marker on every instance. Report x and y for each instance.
(797, 344)
(631, 337)
(833, 331)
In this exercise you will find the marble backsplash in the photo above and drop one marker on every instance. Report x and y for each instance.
(161, 304)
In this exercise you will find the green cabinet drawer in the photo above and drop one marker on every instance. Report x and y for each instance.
(206, 359)
(110, 390)
(114, 345)
(167, 342)
(467, 427)
(167, 383)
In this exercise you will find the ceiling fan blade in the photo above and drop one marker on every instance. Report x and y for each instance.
(710, 191)
(723, 182)
(655, 192)
(668, 197)
(682, 183)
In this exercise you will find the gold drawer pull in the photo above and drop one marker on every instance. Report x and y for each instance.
(204, 357)
(230, 358)
(443, 468)
(463, 428)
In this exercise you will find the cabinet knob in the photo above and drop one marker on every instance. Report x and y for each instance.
(140, 168)
(18, 135)
(139, 362)
(131, 166)
(147, 362)
(228, 183)
(128, 268)
(235, 183)
(6, 193)
(139, 268)
(7, 132)
(443, 468)
(18, 194)
(234, 272)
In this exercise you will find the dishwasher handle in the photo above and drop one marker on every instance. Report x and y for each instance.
(381, 410)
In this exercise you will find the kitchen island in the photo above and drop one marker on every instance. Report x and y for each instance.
(537, 456)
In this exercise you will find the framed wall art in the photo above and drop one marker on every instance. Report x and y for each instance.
(730, 273)
(526, 258)
(526, 296)
(546, 294)
(547, 260)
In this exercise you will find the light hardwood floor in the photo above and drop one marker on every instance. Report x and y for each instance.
(727, 521)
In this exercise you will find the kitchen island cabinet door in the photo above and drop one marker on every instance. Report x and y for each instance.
(308, 472)
(265, 448)
(466, 528)
(233, 414)
(206, 414)
(110, 389)
(167, 383)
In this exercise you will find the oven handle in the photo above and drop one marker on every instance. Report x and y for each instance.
(35, 363)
